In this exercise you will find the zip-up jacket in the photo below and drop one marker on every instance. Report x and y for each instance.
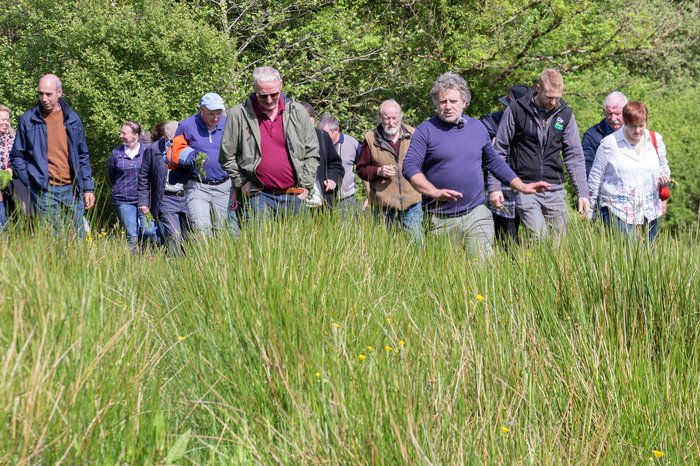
(241, 153)
(534, 148)
(591, 141)
(30, 156)
(330, 166)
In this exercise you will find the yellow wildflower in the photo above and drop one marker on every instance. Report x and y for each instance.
(504, 430)
(362, 357)
(480, 298)
(181, 338)
(388, 320)
(657, 453)
(335, 325)
(318, 374)
(387, 348)
(370, 348)
(401, 343)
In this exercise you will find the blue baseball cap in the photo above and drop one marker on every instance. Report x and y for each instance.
(212, 101)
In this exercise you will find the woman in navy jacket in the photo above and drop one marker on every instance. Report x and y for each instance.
(124, 166)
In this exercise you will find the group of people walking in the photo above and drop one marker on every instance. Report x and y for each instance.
(268, 153)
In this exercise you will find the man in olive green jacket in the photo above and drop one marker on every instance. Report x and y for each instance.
(269, 148)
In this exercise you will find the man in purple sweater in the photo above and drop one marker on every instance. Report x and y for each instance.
(444, 164)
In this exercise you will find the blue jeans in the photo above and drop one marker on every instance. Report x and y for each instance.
(627, 229)
(3, 216)
(60, 205)
(136, 226)
(265, 204)
(410, 220)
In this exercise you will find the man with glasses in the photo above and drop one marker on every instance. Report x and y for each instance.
(269, 148)
(380, 163)
(50, 155)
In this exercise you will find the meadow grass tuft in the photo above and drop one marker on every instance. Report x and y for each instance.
(313, 340)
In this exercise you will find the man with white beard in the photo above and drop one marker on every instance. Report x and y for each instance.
(380, 163)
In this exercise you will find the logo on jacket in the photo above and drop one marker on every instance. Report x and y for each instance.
(559, 124)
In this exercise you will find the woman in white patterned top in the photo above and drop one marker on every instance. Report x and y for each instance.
(629, 167)
(7, 137)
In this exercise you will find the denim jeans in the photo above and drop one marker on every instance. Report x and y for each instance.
(410, 220)
(60, 205)
(266, 204)
(628, 229)
(3, 216)
(136, 226)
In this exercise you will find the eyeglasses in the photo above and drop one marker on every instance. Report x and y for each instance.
(273, 96)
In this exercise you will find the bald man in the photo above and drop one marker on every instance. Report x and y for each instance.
(50, 155)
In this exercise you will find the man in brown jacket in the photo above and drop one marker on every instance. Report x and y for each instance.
(380, 163)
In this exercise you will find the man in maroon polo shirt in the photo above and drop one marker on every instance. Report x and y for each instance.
(269, 148)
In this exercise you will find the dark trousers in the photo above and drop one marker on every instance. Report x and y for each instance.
(506, 229)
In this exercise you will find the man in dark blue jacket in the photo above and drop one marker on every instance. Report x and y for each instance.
(614, 103)
(50, 155)
(330, 170)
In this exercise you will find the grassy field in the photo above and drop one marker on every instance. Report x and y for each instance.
(322, 342)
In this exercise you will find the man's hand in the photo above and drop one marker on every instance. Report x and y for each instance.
(144, 209)
(386, 171)
(496, 199)
(304, 195)
(532, 188)
(234, 200)
(89, 200)
(584, 206)
(446, 195)
(246, 188)
(329, 185)
(365, 205)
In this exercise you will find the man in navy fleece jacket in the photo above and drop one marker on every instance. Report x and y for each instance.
(444, 164)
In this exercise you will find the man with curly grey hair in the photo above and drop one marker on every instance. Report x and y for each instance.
(444, 164)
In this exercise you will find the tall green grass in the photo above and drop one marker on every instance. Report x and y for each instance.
(257, 350)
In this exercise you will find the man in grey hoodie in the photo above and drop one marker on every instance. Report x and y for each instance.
(534, 133)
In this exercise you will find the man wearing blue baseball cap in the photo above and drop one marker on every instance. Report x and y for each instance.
(208, 189)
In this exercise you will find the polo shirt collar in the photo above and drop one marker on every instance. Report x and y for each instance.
(200, 122)
(258, 111)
